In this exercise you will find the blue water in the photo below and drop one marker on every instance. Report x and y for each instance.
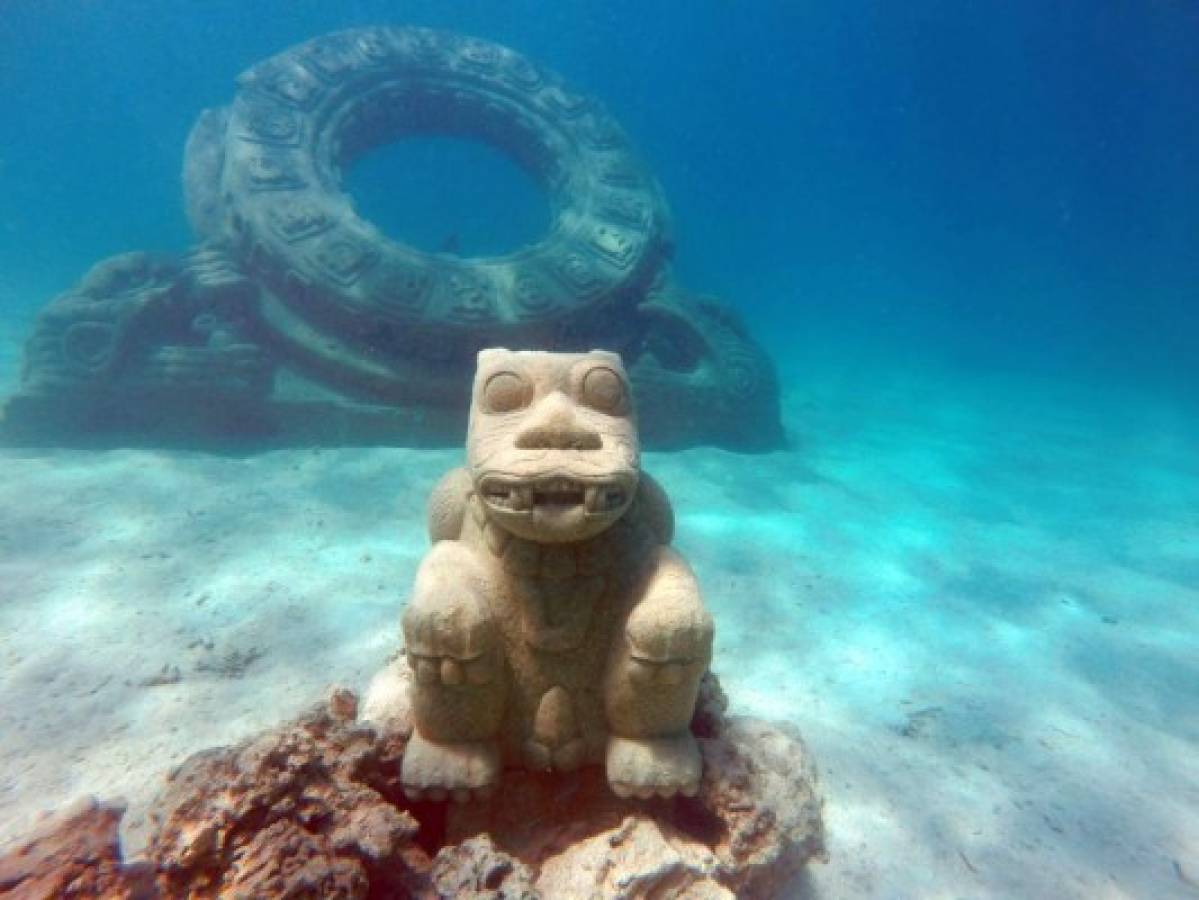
(1006, 185)
(967, 233)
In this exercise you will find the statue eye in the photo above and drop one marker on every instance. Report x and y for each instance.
(505, 392)
(604, 390)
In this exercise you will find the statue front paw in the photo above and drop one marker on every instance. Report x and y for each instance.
(451, 670)
(649, 674)
(434, 771)
(450, 640)
(670, 627)
(664, 657)
(643, 767)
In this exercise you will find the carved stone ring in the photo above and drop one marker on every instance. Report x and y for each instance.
(295, 319)
(266, 175)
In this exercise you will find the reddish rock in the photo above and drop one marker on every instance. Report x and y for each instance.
(343, 704)
(74, 853)
(475, 869)
(303, 811)
(315, 809)
(755, 823)
(284, 860)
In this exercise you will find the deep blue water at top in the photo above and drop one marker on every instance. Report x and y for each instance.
(990, 185)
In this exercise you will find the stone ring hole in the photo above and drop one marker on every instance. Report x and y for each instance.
(448, 194)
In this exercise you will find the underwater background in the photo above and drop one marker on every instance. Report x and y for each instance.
(966, 232)
(976, 184)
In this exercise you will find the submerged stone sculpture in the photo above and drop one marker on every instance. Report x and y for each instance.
(551, 629)
(295, 318)
(551, 624)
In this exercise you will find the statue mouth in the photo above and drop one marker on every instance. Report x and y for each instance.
(554, 495)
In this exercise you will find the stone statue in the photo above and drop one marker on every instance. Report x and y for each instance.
(295, 319)
(551, 625)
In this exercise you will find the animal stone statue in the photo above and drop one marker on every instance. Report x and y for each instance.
(551, 624)
(294, 319)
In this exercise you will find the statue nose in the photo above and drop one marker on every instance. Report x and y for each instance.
(554, 425)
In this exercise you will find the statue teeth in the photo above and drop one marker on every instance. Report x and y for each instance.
(592, 497)
(521, 497)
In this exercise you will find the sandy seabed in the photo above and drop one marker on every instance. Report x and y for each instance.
(979, 601)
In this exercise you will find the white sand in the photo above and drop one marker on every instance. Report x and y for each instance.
(980, 602)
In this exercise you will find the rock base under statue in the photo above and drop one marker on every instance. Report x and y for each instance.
(315, 808)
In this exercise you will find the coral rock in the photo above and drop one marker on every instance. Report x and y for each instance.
(475, 869)
(74, 854)
(316, 808)
(297, 812)
(753, 826)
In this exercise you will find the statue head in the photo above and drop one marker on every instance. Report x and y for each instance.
(552, 443)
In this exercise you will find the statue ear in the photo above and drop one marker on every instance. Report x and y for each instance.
(491, 354)
(613, 359)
